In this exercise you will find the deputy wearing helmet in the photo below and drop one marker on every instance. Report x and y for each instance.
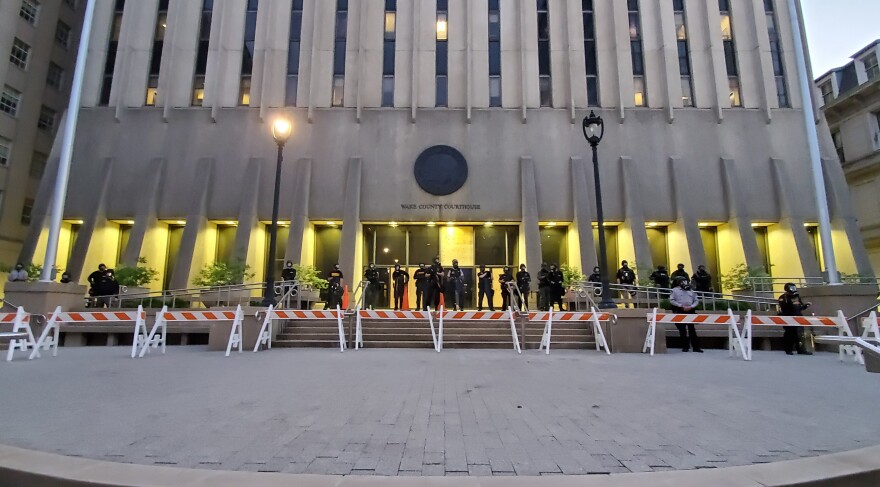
(503, 279)
(790, 304)
(455, 286)
(334, 288)
(685, 301)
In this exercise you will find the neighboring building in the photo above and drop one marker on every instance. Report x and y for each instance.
(704, 158)
(851, 103)
(38, 41)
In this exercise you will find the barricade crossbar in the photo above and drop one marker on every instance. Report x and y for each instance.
(594, 317)
(265, 336)
(736, 342)
(164, 316)
(22, 336)
(839, 322)
(371, 314)
(51, 334)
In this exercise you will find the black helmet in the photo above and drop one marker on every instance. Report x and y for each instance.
(791, 288)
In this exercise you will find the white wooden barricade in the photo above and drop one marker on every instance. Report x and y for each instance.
(871, 327)
(736, 344)
(51, 332)
(22, 336)
(165, 316)
(838, 322)
(265, 337)
(480, 316)
(392, 315)
(595, 318)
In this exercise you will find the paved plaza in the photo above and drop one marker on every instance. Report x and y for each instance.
(416, 412)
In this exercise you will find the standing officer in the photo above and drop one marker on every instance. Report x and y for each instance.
(334, 288)
(544, 288)
(702, 280)
(790, 304)
(503, 279)
(421, 278)
(401, 280)
(685, 301)
(660, 277)
(485, 285)
(289, 273)
(680, 273)
(455, 285)
(627, 277)
(439, 281)
(524, 283)
(430, 288)
(374, 289)
(557, 290)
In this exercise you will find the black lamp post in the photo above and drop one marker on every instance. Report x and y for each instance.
(594, 130)
(281, 129)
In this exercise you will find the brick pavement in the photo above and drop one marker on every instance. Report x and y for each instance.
(416, 412)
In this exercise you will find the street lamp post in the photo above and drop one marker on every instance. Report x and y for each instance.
(594, 130)
(281, 130)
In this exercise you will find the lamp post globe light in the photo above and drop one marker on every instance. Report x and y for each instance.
(594, 131)
(281, 130)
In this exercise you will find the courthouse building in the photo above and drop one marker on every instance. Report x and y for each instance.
(851, 104)
(447, 128)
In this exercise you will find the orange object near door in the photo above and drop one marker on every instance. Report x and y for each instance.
(405, 305)
(345, 298)
(442, 301)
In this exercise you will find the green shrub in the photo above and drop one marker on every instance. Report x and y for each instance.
(136, 276)
(571, 275)
(307, 275)
(739, 278)
(223, 274)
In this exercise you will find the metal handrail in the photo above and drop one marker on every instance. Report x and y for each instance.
(194, 295)
(865, 312)
(648, 297)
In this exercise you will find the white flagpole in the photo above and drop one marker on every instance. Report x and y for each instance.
(806, 86)
(61, 179)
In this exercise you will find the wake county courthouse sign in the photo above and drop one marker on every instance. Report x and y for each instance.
(437, 206)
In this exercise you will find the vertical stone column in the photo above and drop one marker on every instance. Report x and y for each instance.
(715, 55)
(93, 79)
(623, 53)
(686, 220)
(196, 222)
(179, 56)
(530, 222)
(133, 57)
(146, 216)
(635, 220)
(764, 75)
(351, 221)
(583, 208)
(843, 215)
(738, 215)
(299, 211)
(96, 219)
(270, 73)
(669, 67)
(248, 219)
(793, 219)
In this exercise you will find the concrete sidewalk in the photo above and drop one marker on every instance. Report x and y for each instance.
(416, 412)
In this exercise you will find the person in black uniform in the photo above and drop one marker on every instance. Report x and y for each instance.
(680, 273)
(702, 280)
(790, 304)
(524, 283)
(374, 290)
(484, 283)
(557, 290)
(627, 277)
(455, 286)
(439, 282)
(421, 278)
(660, 277)
(289, 273)
(544, 287)
(595, 280)
(503, 279)
(401, 280)
(334, 288)
(95, 279)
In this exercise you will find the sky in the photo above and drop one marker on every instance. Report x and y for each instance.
(837, 29)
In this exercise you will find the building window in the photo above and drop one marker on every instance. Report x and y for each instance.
(684, 55)
(112, 47)
(388, 49)
(9, 101)
(20, 53)
(545, 82)
(872, 69)
(293, 47)
(198, 95)
(38, 164)
(26, 209)
(46, 120)
(590, 53)
(156, 56)
(62, 34)
(827, 89)
(55, 76)
(5, 149)
(441, 61)
(340, 36)
(247, 52)
(494, 53)
(638, 55)
(30, 11)
(776, 54)
(730, 53)
(838, 146)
